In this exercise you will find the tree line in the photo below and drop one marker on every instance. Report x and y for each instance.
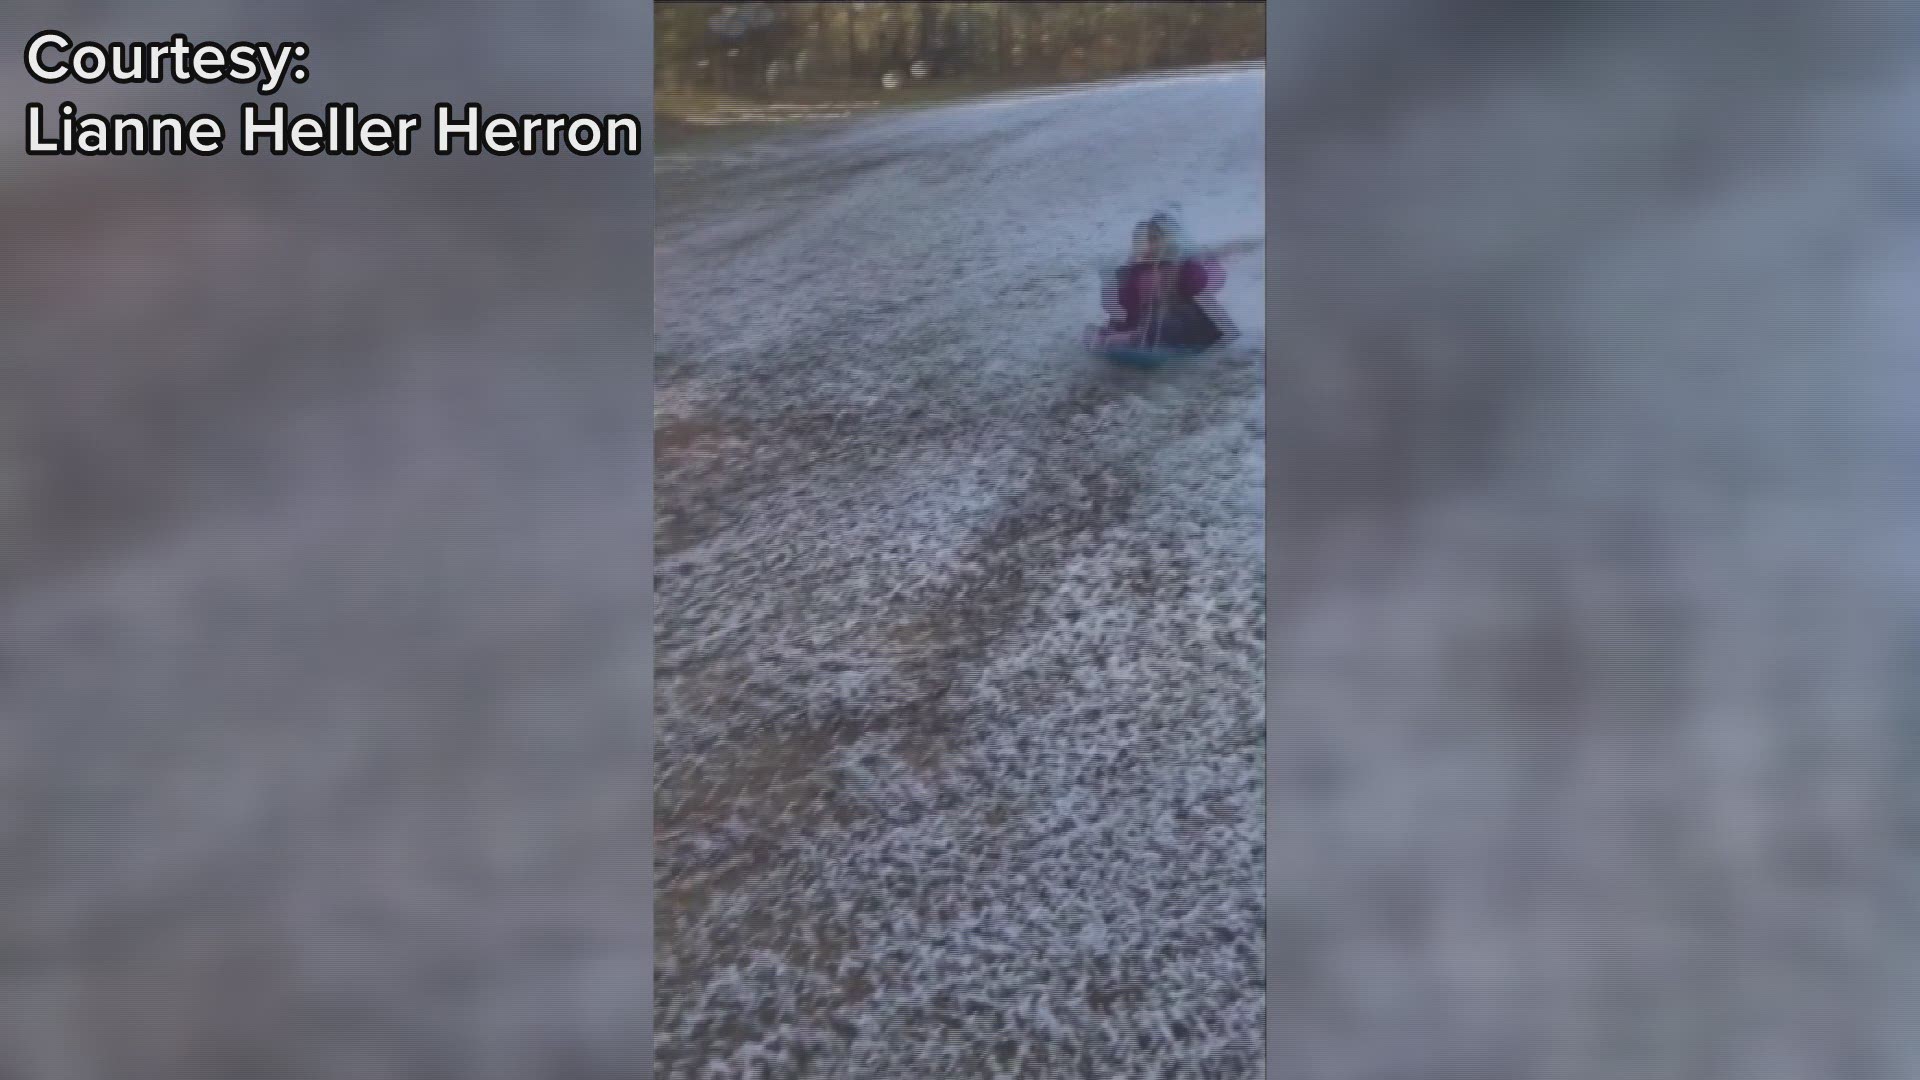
(762, 49)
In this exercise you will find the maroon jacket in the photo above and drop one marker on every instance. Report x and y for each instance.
(1188, 321)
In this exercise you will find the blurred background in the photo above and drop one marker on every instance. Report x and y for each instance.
(1591, 587)
(324, 572)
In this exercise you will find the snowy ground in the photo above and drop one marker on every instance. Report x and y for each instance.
(959, 665)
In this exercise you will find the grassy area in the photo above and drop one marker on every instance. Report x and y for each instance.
(703, 114)
(694, 105)
(680, 115)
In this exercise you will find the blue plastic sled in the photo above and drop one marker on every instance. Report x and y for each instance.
(1144, 358)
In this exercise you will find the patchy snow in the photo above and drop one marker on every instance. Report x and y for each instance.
(959, 703)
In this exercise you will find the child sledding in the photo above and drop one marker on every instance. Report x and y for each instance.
(1160, 304)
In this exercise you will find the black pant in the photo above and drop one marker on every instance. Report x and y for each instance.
(1182, 325)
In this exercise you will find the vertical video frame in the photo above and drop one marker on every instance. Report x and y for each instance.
(960, 539)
